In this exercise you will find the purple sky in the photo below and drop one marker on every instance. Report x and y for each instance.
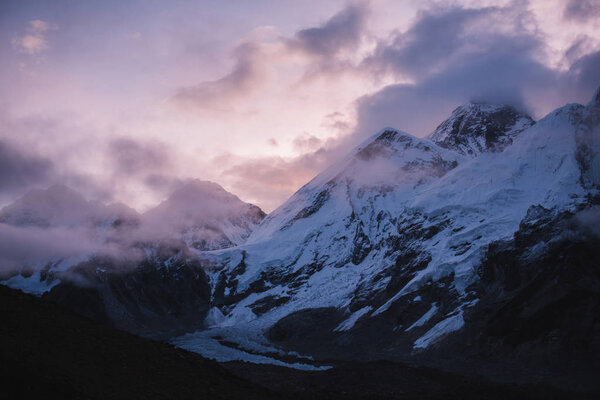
(124, 100)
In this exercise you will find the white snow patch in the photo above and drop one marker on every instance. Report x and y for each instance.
(32, 284)
(206, 344)
(238, 316)
(440, 330)
(351, 320)
(214, 318)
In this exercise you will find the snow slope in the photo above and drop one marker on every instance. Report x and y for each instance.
(475, 128)
(401, 216)
(385, 243)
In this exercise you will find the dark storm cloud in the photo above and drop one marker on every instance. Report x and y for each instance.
(443, 36)
(455, 55)
(344, 30)
(582, 10)
(417, 108)
(585, 72)
(433, 39)
(19, 170)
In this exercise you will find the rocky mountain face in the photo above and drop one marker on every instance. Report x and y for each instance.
(479, 127)
(475, 243)
(159, 295)
(385, 254)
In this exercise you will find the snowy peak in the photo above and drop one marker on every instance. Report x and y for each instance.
(203, 201)
(396, 157)
(390, 163)
(475, 128)
(390, 157)
(390, 142)
(204, 215)
(402, 218)
(389, 241)
(197, 191)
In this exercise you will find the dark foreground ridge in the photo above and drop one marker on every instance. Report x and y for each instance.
(47, 351)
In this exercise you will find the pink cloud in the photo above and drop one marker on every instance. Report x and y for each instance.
(35, 41)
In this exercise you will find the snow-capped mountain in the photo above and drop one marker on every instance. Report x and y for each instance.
(404, 249)
(380, 256)
(474, 128)
(204, 215)
(114, 265)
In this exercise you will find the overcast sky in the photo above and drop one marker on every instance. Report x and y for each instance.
(125, 100)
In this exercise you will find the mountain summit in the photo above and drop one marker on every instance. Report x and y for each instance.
(204, 215)
(478, 240)
(474, 128)
(381, 255)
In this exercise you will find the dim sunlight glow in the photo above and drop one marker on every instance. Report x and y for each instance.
(259, 98)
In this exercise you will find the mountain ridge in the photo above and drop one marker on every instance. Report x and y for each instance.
(367, 251)
(478, 127)
(381, 255)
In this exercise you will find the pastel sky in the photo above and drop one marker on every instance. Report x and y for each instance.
(125, 100)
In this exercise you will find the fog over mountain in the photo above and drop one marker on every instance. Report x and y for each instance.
(58, 224)
(408, 249)
(342, 199)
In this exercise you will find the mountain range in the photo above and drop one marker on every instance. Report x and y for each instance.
(475, 248)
